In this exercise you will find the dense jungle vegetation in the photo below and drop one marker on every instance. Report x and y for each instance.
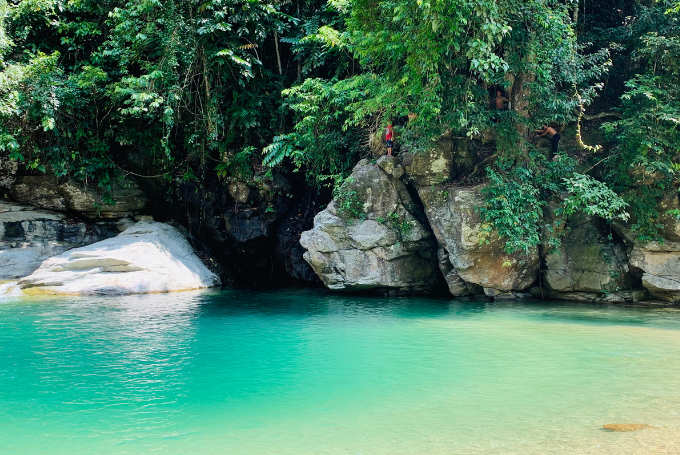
(111, 89)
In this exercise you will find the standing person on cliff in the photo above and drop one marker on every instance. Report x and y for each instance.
(389, 134)
(546, 130)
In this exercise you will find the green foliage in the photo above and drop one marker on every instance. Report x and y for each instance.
(90, 89)
(399, 222)
(513, 208)
(518, 191)
(320, 143)
(645, 158)
(238, 165)
(594, 198)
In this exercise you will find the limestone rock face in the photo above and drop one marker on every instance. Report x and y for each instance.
(373, 235)
(658, 263)
(453, 216)
(28, 236)
(446, 160)
(586, 260)
(47, 192)
(148, 257)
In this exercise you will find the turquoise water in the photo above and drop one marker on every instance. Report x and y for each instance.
(306, 372)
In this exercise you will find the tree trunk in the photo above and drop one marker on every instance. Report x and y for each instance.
(278, 55)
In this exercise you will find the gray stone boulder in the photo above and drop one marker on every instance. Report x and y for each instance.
(47, 192)
(447, 159)
(28, 236)
(372, 235)
(657, 263)
(587, 260)
(478, 263)
(148, 257)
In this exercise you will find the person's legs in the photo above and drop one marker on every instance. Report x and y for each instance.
(555, 143)
(389, 148)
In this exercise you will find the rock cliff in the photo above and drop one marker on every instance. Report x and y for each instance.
(657, 263)
(403, 223)
(47, 192)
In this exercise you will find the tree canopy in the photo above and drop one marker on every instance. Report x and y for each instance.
(102, 90)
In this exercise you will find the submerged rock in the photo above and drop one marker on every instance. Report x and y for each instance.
(626, 426)
(478, 262)
(148, 257)
(28, 236)
(373, 235)
(631, 296)
(47, 192)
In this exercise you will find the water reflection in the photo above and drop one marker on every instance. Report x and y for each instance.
(308, 302)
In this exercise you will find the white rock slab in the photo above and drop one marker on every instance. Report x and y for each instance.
(146, 258)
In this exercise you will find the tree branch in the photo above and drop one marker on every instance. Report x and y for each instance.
(602, 115)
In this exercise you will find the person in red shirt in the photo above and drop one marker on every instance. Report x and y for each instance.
(389, 134)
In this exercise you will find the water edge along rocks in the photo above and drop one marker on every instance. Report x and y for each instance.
(147, 257)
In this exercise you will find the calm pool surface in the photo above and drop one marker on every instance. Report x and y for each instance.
(306, 372)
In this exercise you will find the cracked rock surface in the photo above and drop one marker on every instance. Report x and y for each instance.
(476, 263)
(382, 241)
(587, 259)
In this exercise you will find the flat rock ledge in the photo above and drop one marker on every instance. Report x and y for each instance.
(148, 257)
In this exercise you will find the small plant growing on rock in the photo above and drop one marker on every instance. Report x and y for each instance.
(398, 222)
(348, 202)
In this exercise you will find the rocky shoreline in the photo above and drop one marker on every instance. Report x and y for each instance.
(398, 226)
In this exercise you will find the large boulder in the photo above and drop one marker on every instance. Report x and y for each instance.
(372, 235)
(657, 263)
(588, 258)
(48, 192)
(448, 158)
(454, 217)
(147, 257)
(28, 236)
